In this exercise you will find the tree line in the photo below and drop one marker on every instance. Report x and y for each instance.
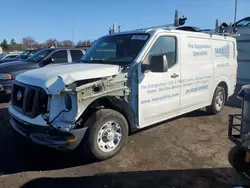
(30, 43)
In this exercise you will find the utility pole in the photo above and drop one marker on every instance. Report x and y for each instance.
(73, 35)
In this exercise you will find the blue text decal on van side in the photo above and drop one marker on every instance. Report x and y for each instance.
(223, 51)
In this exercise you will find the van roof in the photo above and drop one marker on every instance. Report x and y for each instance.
(190, 33)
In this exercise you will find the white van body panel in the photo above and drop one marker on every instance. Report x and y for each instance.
(225, 63)
(203, 62)
(196, 72)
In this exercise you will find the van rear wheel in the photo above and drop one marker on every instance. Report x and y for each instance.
(218, 101)
(107, 133)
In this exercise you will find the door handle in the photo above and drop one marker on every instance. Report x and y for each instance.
(174, 75)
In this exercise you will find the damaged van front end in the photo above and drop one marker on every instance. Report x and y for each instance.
(93, 103)
(50, 111)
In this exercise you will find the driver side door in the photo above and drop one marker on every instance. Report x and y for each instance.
(159, 92)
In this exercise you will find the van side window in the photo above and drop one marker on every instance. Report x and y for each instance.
(165, 45)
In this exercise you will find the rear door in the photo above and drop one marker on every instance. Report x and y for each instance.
(225, 63)
(196, 72)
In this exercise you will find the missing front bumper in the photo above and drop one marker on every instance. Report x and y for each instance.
(48, 136)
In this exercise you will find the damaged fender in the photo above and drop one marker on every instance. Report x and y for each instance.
(109, 86)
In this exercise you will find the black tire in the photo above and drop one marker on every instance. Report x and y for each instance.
(94, 124)
(212, 108)
(236, 158)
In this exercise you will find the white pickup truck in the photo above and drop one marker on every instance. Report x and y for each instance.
(125, 82)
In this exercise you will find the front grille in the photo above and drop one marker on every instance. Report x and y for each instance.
(29, 100)
(18, 90)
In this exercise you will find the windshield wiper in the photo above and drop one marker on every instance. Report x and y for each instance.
(120, 63)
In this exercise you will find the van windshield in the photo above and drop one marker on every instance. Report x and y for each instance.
(116, 49)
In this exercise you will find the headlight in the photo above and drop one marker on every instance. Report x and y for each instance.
(5, 76)
(68, 102)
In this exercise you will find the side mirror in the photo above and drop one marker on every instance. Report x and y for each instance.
(158, 63)
(48, 61)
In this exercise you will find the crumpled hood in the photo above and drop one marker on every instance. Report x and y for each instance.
(54, 79)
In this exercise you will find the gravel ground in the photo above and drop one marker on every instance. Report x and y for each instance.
(188, 151)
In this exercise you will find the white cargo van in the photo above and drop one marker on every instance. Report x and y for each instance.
(125, 82)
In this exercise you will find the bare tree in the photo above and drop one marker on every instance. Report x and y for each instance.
(40, 45)
(29, 43)
(14, 46)
(84, 43)
(80, 43)
(52, 42)
(89, 43)
(66, 43)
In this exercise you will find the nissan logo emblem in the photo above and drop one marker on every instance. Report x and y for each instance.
(19, 95)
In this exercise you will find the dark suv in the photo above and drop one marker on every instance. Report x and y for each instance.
(44, 57)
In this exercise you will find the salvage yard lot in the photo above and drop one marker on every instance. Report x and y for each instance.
(188, 151)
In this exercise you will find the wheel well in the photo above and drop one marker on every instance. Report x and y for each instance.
(113, 103)
(224, 85)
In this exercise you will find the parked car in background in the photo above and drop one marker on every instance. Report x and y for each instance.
(42, 58)
(9, 56)
(242, 26)
(24, 55)
(242, 29)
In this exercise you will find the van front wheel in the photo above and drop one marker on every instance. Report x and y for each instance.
(218, 101)
(107, 133)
